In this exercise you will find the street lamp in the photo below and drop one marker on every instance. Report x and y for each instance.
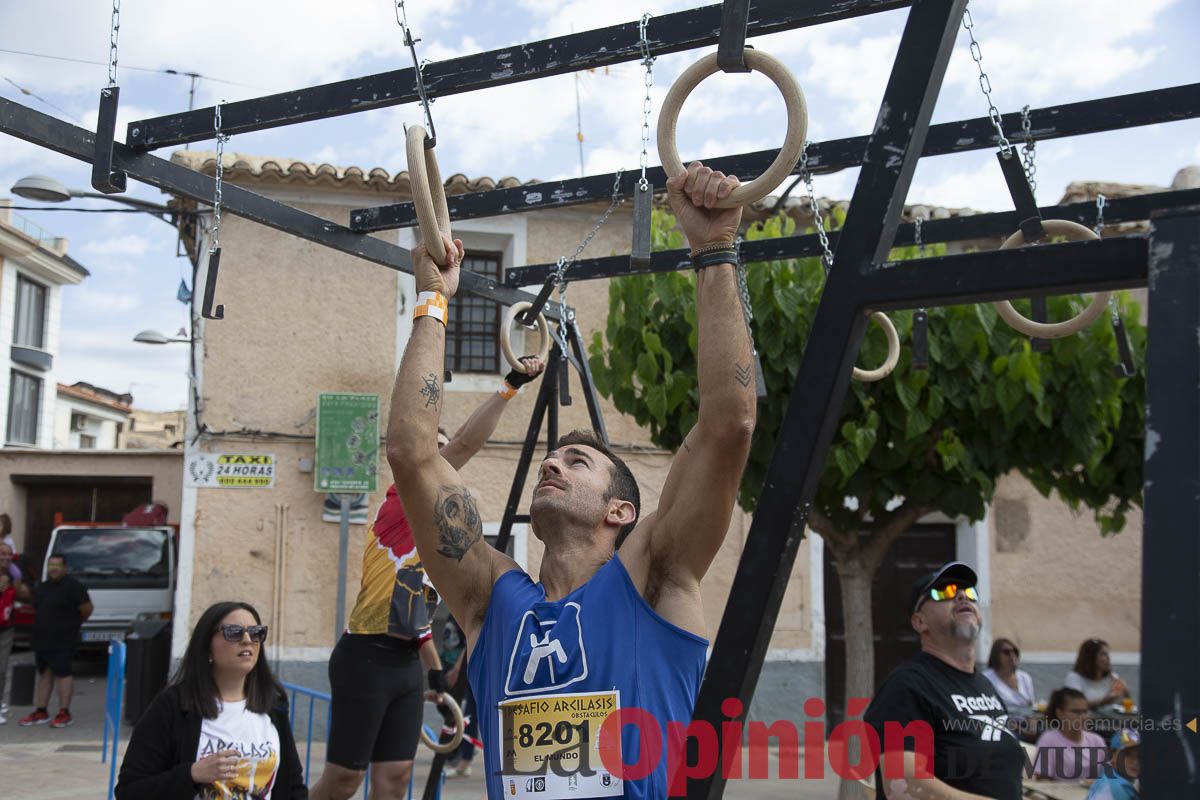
(154, 337)
(47, 190)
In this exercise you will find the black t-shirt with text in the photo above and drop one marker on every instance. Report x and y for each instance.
(57, 620)
(974, 749)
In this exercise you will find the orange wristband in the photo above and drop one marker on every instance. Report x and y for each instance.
(432, 304)
(506, 391)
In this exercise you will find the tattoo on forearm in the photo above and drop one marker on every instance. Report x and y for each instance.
(457, 520)
(431, 391)
(744, 373)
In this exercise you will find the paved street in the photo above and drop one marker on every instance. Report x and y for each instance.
(65, 763)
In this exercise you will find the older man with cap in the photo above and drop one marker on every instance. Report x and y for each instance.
(943, 731)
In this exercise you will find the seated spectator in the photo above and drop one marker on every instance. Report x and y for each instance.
(1066, 750)
(1119, 780)
(1014, 685)
(1094, 677)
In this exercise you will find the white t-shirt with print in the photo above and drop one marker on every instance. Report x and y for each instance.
(255, 738)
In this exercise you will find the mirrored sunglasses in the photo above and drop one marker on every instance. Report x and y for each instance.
(951, 590)
(233, 633)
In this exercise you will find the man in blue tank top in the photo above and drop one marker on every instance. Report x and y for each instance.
(579, 677)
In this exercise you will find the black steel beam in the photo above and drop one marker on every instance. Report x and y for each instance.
(1170, 681)
(616, 44)
(822, 380)
(69, 140)
(1053, 122)
(952, 229)
(1091, 266)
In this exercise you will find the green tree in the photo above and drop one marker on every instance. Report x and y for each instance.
(916, 442)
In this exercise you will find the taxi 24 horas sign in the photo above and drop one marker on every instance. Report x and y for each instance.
(230, 471)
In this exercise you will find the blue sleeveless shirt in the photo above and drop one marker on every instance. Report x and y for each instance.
(546, 675)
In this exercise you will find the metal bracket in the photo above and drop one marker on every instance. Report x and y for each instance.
(643, 207)
(210, 288)
(1124, 367)
(104, 178)
(1028, 216)
(735, 15)
(530, 315)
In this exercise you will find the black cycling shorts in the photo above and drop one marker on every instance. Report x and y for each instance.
(378, 700)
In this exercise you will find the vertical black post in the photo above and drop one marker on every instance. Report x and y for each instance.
(891, 156)
(585, 378)
(554, 375)
(544, 399)
(1170, 676)
(105, 178)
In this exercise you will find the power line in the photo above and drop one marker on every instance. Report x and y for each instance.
(127, 66)
(25, 91)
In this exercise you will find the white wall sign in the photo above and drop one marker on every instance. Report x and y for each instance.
(230, 471)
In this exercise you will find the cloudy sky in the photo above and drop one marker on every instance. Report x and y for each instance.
(1037, 52)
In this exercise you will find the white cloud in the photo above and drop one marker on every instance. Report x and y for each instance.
(110, 302)
(155, 375)
(116, 247)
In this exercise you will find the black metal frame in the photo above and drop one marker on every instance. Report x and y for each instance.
(861, 278)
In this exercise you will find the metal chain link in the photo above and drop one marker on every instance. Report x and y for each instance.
(917, 240)
(113, 30)
(221, 140)
(1029, 152)
(827, 254)
(985, 83)
(647, 105)
(419, 66)
(565, 262)
(743, 289)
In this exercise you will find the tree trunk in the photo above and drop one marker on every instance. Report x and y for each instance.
(855, 579)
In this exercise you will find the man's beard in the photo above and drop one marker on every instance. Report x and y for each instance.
(964, 631)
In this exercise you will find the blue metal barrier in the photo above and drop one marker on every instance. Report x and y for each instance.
(114, 692)
(313, 696)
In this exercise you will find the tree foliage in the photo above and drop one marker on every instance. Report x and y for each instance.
(938, 438)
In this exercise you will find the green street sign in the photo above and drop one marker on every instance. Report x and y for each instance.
(347, 442)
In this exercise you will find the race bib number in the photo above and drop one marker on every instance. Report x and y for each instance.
(550, 746)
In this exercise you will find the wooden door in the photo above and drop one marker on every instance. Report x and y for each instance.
(920, 550)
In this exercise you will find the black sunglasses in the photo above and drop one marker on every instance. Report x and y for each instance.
(233, 633)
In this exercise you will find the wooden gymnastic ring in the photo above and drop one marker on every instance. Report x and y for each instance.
(893, 353)
(1053, 330)
(793, 142)
(506, 345)
(428, 193)
(460, 728)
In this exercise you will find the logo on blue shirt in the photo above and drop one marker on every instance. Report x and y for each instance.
(548, 652)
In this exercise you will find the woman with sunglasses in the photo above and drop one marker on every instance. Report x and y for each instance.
(1014, 685)
(220, 729)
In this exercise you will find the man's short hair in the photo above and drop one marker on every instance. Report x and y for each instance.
(60, 557)
(621, 485)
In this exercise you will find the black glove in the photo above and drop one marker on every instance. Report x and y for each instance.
(517, 379)
(437, 681)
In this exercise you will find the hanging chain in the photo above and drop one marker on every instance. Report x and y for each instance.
(565, 262)
(1029, 153)
(647, 106)
(985, 83)
(743, 289)
(917, 240)
(112, 43)
(827, 254)
(221, 140)
(419, 67)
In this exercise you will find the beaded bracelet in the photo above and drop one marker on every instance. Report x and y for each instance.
(709, 248)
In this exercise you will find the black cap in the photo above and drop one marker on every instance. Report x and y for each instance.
(952, 571)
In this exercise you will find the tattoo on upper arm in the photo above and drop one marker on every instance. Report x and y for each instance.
(744, 373)
(431, 391)
(458, 522)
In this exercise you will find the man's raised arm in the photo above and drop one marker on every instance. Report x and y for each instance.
(445, 521)
(685, 533)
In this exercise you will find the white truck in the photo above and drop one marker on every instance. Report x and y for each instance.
(128, 571)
